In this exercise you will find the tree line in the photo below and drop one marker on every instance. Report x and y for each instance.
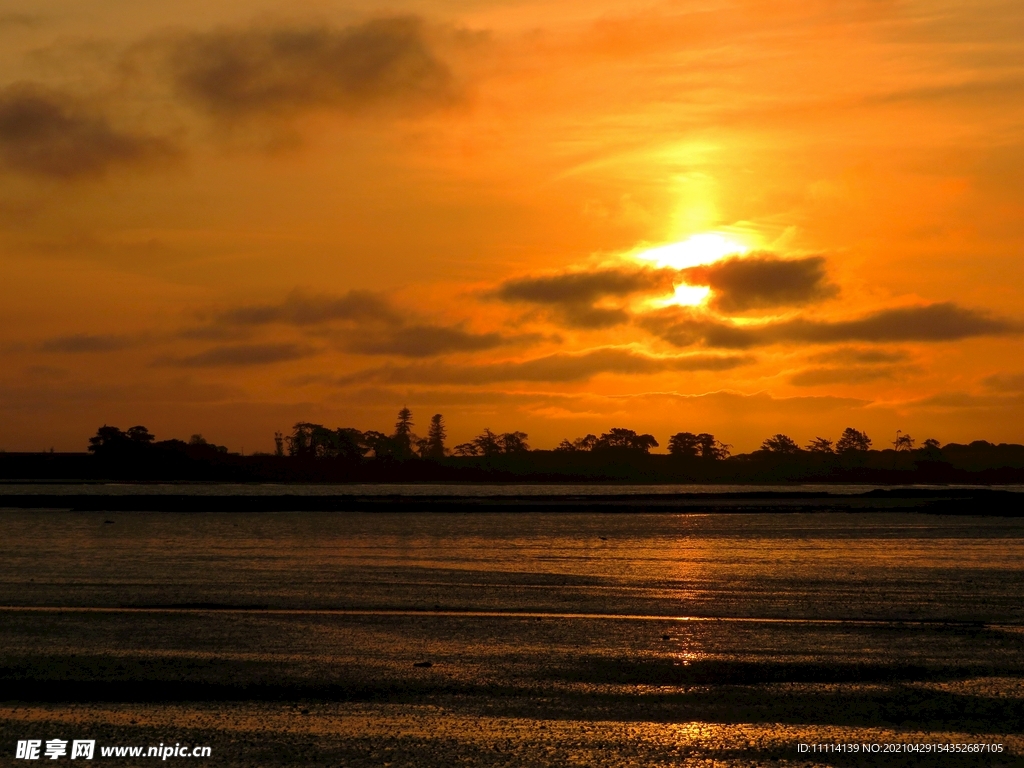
(310, 440)
(316, 441)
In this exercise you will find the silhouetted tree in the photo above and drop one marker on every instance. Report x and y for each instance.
(711, 448)
(310, 440)
(488, 443)
(931, 444)
(139, 434)
(853, 440)
(349, 443)
(579, 444)
(625, 439)
(514, 442)
(780, 443)
(903, 442)
(382, 446)
(684, 444)
(820, 445)
(106, 438)
(403, 437)
(433, 446)
(278, 444)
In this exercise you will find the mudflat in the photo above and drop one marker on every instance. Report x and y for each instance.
(519, 638)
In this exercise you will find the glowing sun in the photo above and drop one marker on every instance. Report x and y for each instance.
(691, 252)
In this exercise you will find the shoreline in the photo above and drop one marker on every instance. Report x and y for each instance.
(955, 501)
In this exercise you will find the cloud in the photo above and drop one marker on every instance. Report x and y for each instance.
(49, 134)
(364, 323)
(559, 367)
(1005, 382)
(857, 355)
(84, 342)
(428, 340)
(317, 309)
(573, 294)
(930, 323)
(258, 71)
(761, 281)
(236, 355)
(814, 376)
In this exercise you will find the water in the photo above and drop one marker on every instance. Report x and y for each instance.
(433, 489)
(552, 639)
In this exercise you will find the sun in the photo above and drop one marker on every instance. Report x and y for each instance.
(693, 251)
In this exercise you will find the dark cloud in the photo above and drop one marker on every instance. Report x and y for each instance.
(268, 70)
(1005, 382)
(361, 322)
(428, 340)
(49, 134)
(559, 367)
(316, 309)
(574, 294)
(931, 323)
(84, 342)
(761, 281)
(235, 355)
(584, 287)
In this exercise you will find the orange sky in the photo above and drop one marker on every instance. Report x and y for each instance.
(225, 217)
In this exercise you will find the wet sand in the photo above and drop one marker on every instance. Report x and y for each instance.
(305, 638)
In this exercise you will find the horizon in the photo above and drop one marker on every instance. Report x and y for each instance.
(741, 219)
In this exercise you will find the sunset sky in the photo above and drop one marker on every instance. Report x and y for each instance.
(736, 217)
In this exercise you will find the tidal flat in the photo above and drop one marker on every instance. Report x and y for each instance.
(519, 639)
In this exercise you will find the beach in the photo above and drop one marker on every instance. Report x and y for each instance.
(516, 638)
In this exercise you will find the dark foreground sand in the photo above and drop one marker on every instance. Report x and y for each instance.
(344, 640)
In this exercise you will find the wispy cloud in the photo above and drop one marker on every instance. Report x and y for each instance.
(930, 323)
(86, 342)
(559, 367)
(236, 355)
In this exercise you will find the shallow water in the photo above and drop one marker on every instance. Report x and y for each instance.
(552, 639)
(436, 489)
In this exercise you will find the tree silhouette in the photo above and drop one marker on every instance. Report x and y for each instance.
(903, 442)
(625, 439)
(712, 449)
(106, 438)
(139, 434)
(403, 437)
(316, 441)
(820, 445)
(278, 444)
(433, 446)
(780, 443)
(514, 442)
(579, 444)
(853, 440)
(489, 443)
(684, 444)
(111, 440)
(379, 444)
